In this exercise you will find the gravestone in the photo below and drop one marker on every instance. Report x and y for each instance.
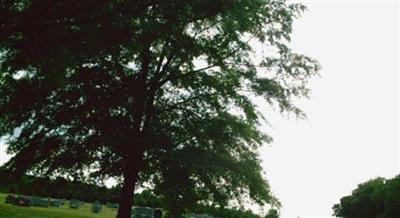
(111, 205)
(197, 215)
(73, 203)
(55, 203)
(62, 202)
(10, 199)
(22, 201)
(39, 202)
(142, 212)
(96, 207)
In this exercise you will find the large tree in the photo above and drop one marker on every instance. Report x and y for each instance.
(108, 87)
(375, 198)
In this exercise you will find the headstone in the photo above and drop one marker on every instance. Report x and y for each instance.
(111, 205)
(39, 202)
(73, 203)
(55, 203)
(96, 207)
(143, 212)
(10, 199)
(22, 201)
(197, 215)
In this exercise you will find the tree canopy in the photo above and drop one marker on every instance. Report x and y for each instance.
(375, 198)
(272, 213)
(139, 89)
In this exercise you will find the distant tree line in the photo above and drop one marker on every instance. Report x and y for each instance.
(375, 198)
(66, 189)
(58, 188)
(226, 212)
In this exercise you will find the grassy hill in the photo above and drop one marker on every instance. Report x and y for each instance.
(7, 211)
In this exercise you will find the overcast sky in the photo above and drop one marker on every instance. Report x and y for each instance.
(351, 134)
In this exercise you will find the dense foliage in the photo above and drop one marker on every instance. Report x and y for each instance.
(272, 213)
(226, 212)
(138, 89)
(376, 198)
(58, 188)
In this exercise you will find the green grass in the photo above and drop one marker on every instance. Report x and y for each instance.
(11, 211)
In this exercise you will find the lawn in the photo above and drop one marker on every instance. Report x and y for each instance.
(11, 211)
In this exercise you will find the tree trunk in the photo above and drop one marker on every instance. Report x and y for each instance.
(130, 177)
(174, 214)
(174, 210)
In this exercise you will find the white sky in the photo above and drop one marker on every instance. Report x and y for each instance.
(351, 134)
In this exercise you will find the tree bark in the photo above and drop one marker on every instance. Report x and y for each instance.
(132, 169)
(174, 214)
(134, 154)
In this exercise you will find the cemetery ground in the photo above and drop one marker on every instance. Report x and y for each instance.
(12, 211)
